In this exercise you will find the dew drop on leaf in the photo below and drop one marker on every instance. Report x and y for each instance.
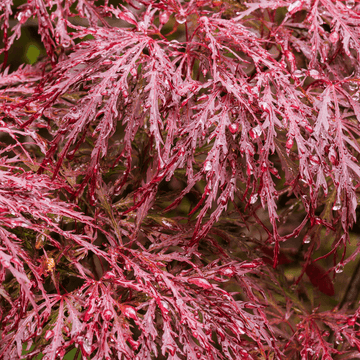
(293, 6)
(289, 143)
(253, 198)
(339, 268)
(129, 312)
(203, 97)
(201, 282)
(337, 206)
(249, 169)
(250, 265)
(164, 18)
(227, 271)
(208, 166)
(167, 224)
(314, 74)
(314, 160)
(265, 107)
(48, 335)
(60, 353)
(298, 73)
(233, 128)
(255, 132)
(180, 18)
(350, 4)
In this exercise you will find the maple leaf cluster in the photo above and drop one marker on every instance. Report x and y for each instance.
(171, 170)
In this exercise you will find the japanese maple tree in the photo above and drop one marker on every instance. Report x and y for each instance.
(179, 180)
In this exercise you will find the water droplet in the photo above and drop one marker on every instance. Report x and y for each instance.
(142, 26)
(233, 128)
(265, 107)
(125, 94)
(201, 282)
(202, 97)
(356, 96)
(167, 224)
(164, 18)
(165, 304)
(60, 353)
(180, 18)
(353, 86)
(294, 6)
(337, 206)
(129, 312)
(133, 72)
(208, 166)
(48, 335)
(255, 132)
(298, 73)
(314, 74)
(310, 351)
(306, 239)
(254, 198)
(350, 4)
(339, 268)
(228, 271)
(289, 143)
(314, 160)
(24, 15)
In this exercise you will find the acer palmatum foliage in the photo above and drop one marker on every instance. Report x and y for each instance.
(170, 171)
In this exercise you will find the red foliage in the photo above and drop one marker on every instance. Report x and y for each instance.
(320, 279)
(143, 115)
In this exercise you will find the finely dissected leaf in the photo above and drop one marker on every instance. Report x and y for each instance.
(169, 171)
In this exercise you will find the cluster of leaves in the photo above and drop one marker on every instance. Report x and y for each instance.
(170, 170)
